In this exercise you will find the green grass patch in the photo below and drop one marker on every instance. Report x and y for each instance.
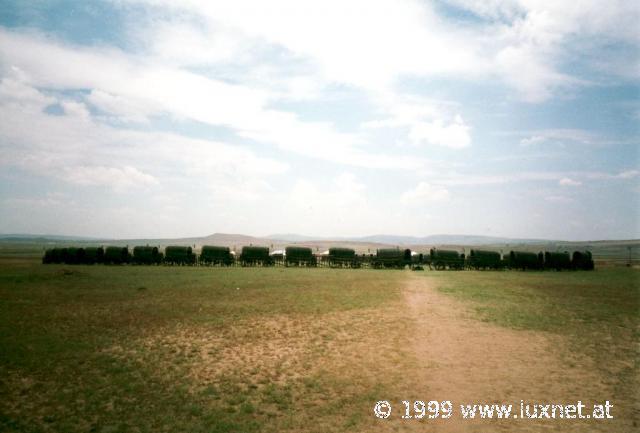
(549, 301)
(75, 352)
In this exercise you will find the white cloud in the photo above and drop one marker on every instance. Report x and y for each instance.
(77, 110)
(44, 203)
(415, 42)
(120, 108)
(566, 136)
(180, 43)
(588, 17)
(565, 181)
(628, 174)
(454, 135)
(533, 140)
(522, 42)
(15, 91)
(116, 177)
(269, 75)
(345, 39)
(122, 84)
(428, 122)
(564, 178)
(76, 148)
(558, 199)
(625, 174)
(424, 192)
(530, 74)
(505, 10)
(530, 39)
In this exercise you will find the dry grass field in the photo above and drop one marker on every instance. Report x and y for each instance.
(155, 349)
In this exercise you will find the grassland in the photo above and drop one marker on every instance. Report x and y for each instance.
(107, 349)
(596, 314)
(184, 349)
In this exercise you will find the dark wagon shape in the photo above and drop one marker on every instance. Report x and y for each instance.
(299, 256)
(582, 260)
(93, 255)
(52, 255)
(116, 255)
(73, 256)
(446, 259)
(557, 261)
(215, 255)
(255, 256)
(525, 260)
(146, 255)
(391, 258)
(345, 257)
(483, 259)
(64, 255)
(179, 255)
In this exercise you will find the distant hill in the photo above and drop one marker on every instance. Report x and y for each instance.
(412, 240)
(445, 240)
(225, 238)
(292, 237)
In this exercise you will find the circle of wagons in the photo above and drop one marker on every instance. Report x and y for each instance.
(386, 258)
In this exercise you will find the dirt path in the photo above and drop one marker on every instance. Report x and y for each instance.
(465, 360)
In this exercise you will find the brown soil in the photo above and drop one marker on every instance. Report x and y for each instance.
(427, 347)
(465, 361)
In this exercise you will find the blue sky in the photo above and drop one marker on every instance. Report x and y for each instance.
(152, 118)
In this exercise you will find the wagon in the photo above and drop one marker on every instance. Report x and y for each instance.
(299, 256)
(482, 259)
(391, 258)
(146, 255)
(179, 255)
(255, 256)
(73, 256)
(446, 259)
(582, 260)
(557, 261)
(52, 255)
(116, 255)
(93, 255)
(215, 255)
(525, 260)
(342, 257)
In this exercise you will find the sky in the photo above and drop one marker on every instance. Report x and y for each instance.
(158, 118)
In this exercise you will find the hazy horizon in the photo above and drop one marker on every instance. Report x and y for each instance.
(159, 119)
(296, 237)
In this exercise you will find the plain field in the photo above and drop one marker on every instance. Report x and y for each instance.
(96, 348)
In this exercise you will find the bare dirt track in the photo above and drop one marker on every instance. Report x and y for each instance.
(464, 360)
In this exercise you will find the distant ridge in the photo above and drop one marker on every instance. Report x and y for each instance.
(280, 240)
(414, 240)
(292, 237)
